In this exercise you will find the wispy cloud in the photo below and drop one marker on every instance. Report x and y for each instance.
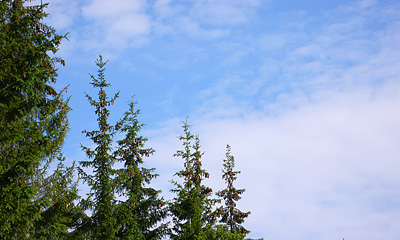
(225, 12)
(203, 19)
(167, 8)
(63, 14)
(319, 155)
(117, 23)
(194, 30)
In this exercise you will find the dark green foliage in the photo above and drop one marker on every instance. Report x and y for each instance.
(101, 199)
(139, 214)
(220, 232)
(58, 192)
(191, 209)
(33, 115)
(230, 215)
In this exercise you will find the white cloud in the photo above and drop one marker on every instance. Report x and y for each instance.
(123, 25)
(325, 170)
(103, 9)
(182, 25)
(222, 12)
(276, 42)
(116, 24)
(63, 14)
(194, 30)
(205, 20)
(164, 8)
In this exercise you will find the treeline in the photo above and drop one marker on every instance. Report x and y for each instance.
(38, 204)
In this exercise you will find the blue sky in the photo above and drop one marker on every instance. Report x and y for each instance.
(307, 93)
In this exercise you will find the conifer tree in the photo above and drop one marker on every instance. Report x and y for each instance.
(191, 209)
(230, 215)
(33, 115)
(101, 200)
(140, 214)
(61, 215)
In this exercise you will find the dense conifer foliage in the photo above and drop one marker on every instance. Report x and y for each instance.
(139, 215)
(33, 115)
(101, 200)
(230, 215)
(59, 192)
(191, 208)
(136, 216)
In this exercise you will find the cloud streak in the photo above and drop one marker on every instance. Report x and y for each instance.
(117, 22)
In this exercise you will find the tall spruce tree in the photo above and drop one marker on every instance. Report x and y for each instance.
(191, 209)
(33, 115)
(101, 200)
(230, 215)
(140, 214)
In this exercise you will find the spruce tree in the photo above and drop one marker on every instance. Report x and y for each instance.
(33, 115)
(139, 215)
(101, 200)
(230, 215)
(191, 209)
(61, 215)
